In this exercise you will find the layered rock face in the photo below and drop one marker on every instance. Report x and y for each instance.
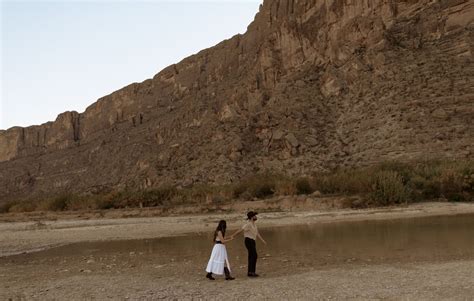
(311, 85)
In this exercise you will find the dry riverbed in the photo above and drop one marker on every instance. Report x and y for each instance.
(121, 271)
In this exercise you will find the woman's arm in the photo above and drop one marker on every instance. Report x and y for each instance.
(236, 232)
(222, 239)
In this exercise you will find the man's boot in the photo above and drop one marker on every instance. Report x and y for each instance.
(227, 274)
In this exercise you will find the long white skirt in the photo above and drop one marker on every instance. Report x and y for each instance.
(218, 260)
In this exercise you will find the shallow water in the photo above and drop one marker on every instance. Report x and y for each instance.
(291, 247)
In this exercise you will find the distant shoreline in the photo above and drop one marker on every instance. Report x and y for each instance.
(18, 237)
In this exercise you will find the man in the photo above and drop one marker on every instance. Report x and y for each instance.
(251, 233)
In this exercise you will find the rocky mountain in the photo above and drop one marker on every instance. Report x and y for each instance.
(311, 85)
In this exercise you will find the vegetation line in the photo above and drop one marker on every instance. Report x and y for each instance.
(384, 184)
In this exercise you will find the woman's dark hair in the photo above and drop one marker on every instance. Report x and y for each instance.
(220, 227)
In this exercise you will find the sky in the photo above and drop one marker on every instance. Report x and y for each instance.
(59, 56)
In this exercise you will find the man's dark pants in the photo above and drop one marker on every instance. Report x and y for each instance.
(252, 249)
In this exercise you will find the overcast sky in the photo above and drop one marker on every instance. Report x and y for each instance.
(60, 56)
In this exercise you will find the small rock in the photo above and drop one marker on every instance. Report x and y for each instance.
(85, 271)
(292, 140)
(278, 134)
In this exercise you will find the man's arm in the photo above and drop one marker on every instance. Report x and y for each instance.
(261, 238)
(237, 232)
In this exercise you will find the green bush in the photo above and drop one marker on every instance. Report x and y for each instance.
(388, 188)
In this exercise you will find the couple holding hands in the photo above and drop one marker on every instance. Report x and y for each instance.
(219, 262)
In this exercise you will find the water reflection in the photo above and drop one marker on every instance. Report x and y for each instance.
(406, 240)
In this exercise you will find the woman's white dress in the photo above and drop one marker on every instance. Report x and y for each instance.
(218, 260)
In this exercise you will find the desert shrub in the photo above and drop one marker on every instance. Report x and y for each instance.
(403, 169)
(24, 206)
(342, 181)
(262, 190)
(286, 186)
(201, 193)
(388, 188)
(109, 200)
(5, 208)
(354, 203)
(147, 198)
(455, 185)
(260, 186)
(58, 203)
(83, 203)
(423, 180)
(106, 202)
(133, 199)
(157, 196)
(239, 190)
(327, 183)
(303, 186)
(428, 170)
(424, 189)
(450, 183)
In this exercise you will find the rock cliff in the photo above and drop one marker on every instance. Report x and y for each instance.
(311, 85)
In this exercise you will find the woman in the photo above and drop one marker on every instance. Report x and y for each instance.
(251, 233)
(219, 257)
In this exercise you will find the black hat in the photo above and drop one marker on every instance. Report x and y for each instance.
(251, 214)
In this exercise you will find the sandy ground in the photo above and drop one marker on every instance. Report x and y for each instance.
(132, 277)
(434, 281)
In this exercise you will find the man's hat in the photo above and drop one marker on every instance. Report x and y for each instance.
(251, 214)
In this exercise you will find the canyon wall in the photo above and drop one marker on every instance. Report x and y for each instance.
(312, 85)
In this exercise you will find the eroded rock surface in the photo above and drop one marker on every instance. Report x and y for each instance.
(312, 84)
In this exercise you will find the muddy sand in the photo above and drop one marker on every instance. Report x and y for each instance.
(164, 257)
